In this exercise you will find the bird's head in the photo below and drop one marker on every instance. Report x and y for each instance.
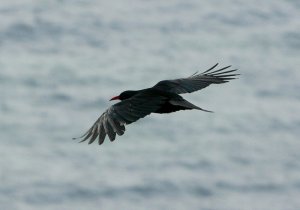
(124, 95)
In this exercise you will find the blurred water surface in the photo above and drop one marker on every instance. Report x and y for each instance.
(61, 61)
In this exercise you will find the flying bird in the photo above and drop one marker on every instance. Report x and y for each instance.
(161, 98)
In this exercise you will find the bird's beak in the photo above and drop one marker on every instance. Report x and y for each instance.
(115, 98)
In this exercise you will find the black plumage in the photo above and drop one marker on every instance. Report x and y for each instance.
(161, 98)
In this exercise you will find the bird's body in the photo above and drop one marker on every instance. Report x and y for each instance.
(161, 98)
(171, 102)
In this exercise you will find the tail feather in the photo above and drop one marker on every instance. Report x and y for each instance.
(184, 103)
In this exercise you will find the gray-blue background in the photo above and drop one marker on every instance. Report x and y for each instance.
(62, 60)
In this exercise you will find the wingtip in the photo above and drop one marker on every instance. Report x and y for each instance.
(82, 141)
(211, 68)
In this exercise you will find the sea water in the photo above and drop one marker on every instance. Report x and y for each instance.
(61, 61)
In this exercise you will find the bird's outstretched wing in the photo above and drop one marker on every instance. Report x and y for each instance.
(197, 81)
(113, 120)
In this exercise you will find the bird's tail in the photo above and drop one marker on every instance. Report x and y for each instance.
(184, 103)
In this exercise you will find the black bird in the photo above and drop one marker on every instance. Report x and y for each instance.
(161, 98)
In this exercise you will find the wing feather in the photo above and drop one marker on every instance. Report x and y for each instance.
(113, 120)
(102, 134)
(197, 81)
